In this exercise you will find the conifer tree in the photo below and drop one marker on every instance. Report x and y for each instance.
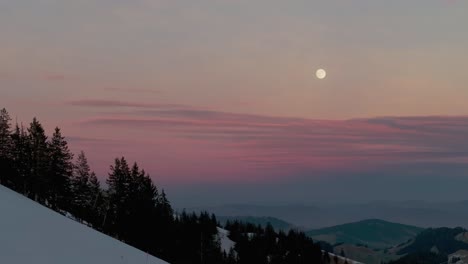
(97, 200)
(21, 156)
(38, 161)
(79, 185)
(165, 210)
(60, 171)
(86, 191)
(6, 169)
(143, 198)
(119, 192)
(5, 132)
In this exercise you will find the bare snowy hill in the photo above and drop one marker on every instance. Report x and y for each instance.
(32, 233)
(226, 243)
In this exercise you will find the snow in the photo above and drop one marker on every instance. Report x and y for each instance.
(32, 233)
(459, 257)
(226, 243)
(350, 261)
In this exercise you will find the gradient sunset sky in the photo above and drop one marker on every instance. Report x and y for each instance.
(214, 97)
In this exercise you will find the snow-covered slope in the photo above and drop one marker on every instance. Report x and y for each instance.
(226, 243)
(341, 259)
(32, 233)
(459, 257)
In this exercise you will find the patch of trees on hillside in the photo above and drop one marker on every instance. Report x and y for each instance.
(432, 246)
(255, 242)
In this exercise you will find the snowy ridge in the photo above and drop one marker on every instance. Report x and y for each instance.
(32, 233)
(342, 259)
(226, 243)
(459, 257)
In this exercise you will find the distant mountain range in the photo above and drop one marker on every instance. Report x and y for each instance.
(416, 213)
(372, 241)
(375, 241)
(373, 233)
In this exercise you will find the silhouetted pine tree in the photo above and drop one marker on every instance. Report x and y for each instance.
(142, 206)
(164, 207)
(21, 155)
(39, 182)
(97, 201)
(59, 172)
(79, 185)
(118, 194)
(87, 197)
(165, 227)
(6, 148)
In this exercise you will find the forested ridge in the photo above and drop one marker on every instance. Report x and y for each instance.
(132, 208)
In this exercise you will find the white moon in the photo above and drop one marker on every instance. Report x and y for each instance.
(321, 74)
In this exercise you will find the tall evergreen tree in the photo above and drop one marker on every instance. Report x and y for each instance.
(5, 132)
(88, 199)
(96, 199)
(60, 171)
(165, 226)
(80, 182)
(119, 191)
(38, 161)
(164, 207)
(6, 147)
(21, 155)
(142, 206)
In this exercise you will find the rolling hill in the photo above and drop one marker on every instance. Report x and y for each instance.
(442, 240)
(417, 213)
(434, 246)
(373, 233)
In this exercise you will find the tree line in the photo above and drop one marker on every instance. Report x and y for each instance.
(263, 245)
(132, 208)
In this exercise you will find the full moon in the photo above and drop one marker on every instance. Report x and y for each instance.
(321, 74)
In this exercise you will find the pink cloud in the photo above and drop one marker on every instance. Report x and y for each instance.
(225, 145)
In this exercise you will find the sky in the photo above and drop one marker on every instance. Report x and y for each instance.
(218, 97)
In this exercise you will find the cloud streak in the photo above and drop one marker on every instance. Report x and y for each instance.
(269, 144)
(113, 103)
